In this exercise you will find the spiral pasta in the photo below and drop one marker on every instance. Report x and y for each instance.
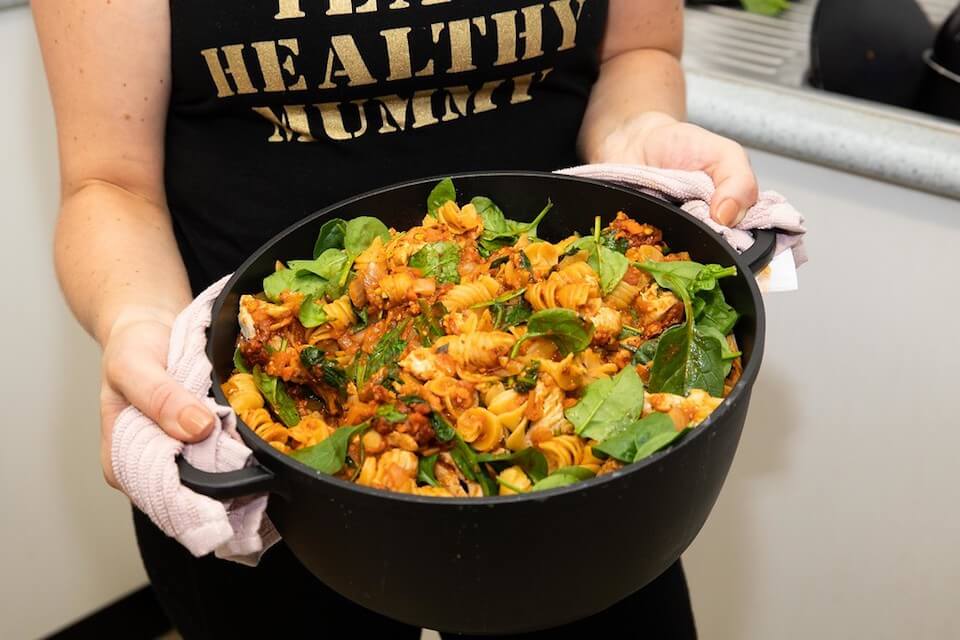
(459, 220)
(562, 451)
(480, 349)
(468, 294)
(466, 373)
(481, 428)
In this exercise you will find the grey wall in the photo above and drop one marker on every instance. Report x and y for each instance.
(66, 543)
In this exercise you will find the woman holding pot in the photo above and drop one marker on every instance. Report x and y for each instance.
(191, 132)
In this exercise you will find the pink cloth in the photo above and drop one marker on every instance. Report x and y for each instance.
(143, 456)
(694, 189)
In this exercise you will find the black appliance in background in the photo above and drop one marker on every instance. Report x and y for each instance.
(940, 90)
(870, 49)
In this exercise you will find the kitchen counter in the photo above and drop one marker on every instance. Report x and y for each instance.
(745, 79)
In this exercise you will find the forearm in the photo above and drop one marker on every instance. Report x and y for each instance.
(631, 84)
(117, 259)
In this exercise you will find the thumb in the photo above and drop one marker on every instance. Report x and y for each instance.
(147, 386)
(736, 187)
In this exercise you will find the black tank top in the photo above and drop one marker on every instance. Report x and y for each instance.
(281, 107)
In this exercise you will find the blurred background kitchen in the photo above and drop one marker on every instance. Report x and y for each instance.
(840, 516)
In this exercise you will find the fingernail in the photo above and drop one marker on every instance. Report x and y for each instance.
(195, 420)
(727, 212)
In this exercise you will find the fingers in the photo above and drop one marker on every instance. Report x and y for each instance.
(736, 184)
(147, 386)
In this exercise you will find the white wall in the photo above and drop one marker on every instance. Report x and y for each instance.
(840, 518)
(66, 541)
(841, 515)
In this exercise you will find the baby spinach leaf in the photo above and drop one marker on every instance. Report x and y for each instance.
(657, 442)
(438, 260)
(330, 237)
(607, 405)
(426, 470)
(711, 309)
(609, 239)
(386, 351)
(527, 379)
(510, 314)
(687, 359)
(296, 281)
(443, 429)
(499, 231)
(646, 352)
(531, 460)
(311, 312)
(726, 353)
(327, 370)
(390, 413)
(466, 460)
(570, 332)
(329, 455)
(277, 397)
(442, 193)
(238, 362)
(625, 442)
(610, 265)
(427, 323)
(278, 282)
(328, 265)
(563, 477)
(360, 233)
(691, 276)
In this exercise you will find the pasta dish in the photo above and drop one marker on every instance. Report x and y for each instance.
(469, 357)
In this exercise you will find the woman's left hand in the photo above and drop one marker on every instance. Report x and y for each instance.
(659, 140)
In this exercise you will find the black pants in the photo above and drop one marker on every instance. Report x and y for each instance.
(211, 598)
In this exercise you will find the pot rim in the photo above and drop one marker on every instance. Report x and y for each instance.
(263, 450)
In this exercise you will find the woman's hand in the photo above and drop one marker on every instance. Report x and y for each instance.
(134, 372)
(659, 140)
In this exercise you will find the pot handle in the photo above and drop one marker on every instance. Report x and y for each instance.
(229, 484)
(761, 253)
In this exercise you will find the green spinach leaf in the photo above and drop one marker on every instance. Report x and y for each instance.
(311, 312)
(466, 460)
(531, 460)
(391, 414)
(426, 470)
(563, 477)
(691, 276)
(329, 455)
(327, 370)
(498, 231)
(647, 351)
(610, 265)
(570, 332)
(443, 429)
(386, 351)
(330, 237)
(687, 359)
(607, 405)
(438, 260)
(360, 233)
(441, 194)
(277, 397)
(626, 441)
(710, 309)
(527, 379)
(238, 362)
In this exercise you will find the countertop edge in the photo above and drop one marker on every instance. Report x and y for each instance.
(855, 136)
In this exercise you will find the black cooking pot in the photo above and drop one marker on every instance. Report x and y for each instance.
(500, 564)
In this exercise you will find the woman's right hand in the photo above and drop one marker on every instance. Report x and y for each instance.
(134, 372)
